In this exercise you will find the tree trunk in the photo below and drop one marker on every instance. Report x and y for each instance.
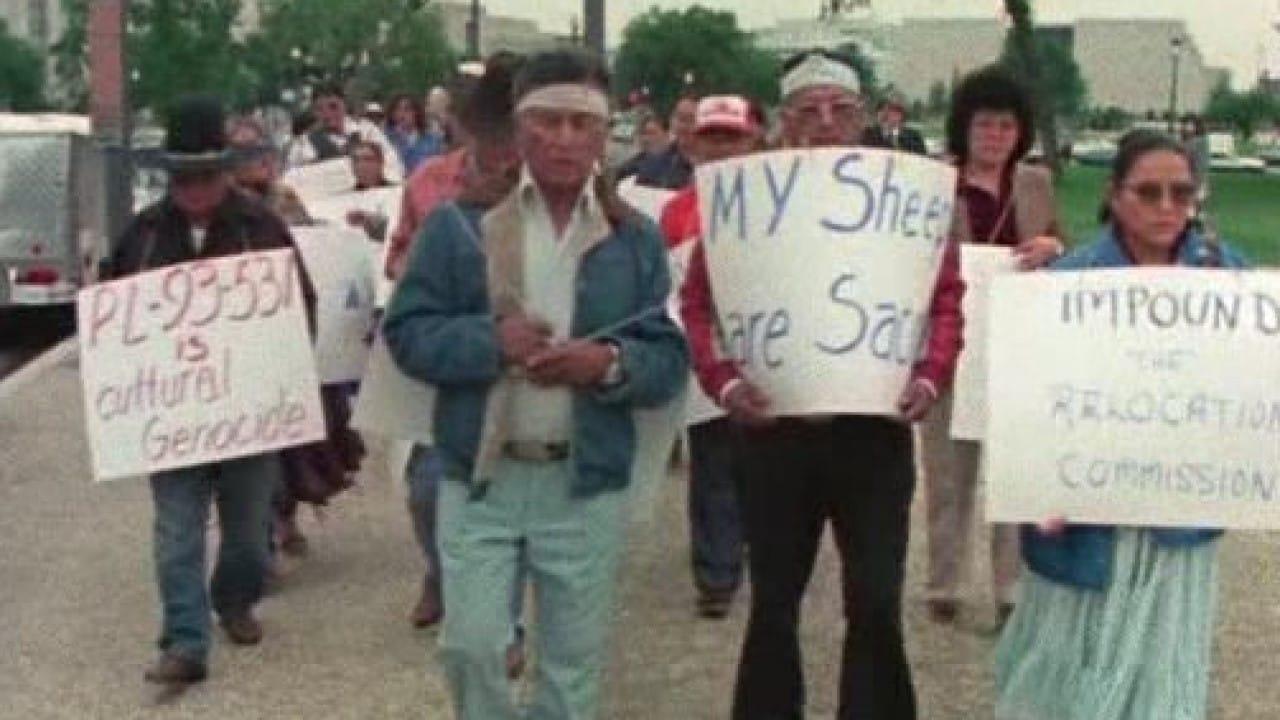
(1023, 37)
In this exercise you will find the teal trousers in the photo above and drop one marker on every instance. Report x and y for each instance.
(571, 547)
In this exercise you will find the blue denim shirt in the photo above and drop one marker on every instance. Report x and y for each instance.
(440, 330)
(414, 150)
(1082, 555)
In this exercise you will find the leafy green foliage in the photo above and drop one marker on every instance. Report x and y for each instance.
(1244, 112)
(661, 48)
(21, 73)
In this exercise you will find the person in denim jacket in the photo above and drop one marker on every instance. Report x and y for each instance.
(1116, 623)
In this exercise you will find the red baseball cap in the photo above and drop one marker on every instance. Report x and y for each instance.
(724, 112)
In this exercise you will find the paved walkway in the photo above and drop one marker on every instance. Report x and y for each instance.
(79, 610)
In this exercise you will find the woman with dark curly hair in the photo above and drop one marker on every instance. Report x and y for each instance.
(1000, 201)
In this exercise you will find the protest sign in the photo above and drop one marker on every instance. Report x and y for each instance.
(647, 200)
(382, 202)
(392, 404)
(823, 264)
(320, 180)
(340, 263)
(979, 264)
(1141, 396)
(195, 363)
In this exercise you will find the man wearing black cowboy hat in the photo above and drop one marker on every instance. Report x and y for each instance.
(202, 216)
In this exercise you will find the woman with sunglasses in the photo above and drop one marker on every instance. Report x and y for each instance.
(1003, 202)
(1116, 623)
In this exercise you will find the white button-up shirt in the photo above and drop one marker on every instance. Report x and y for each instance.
(551, 260)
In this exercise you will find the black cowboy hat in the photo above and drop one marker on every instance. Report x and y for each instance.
(195, 136)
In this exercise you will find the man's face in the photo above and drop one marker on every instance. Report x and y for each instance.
(891, 116)
(367, 166)
(718, 144)
(822, 115)
(331, 111)
(682, 119)
(198, 193)
(258, 170)
(653, 138)
(561, 147)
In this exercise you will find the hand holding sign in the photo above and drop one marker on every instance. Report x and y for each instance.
(747, 404)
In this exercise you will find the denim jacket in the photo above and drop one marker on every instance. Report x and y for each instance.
(1082, 555)
(441, 329)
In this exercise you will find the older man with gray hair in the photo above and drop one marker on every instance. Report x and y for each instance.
(801, 472)
(542, 325)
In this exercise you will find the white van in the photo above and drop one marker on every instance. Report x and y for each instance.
(52, 208)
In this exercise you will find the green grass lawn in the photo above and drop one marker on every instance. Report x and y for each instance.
(1246, 209)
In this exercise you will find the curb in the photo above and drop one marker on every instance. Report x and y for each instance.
(38, 366)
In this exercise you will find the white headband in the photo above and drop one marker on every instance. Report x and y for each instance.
(818, 70)
(567, 96)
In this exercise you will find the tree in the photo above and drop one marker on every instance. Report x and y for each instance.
(1022, 57)
(1244, 112)
(21, 73)
(374, 46)
(174, 47)
(662, 48)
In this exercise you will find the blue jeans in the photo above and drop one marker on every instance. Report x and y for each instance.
(242, 490)
(423, 475)
(715, 517)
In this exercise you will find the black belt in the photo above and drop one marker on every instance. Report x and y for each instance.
(536, 451)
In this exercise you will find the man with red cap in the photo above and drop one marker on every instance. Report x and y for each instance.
(725, 126)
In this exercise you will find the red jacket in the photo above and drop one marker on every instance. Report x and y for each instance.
(680, 220)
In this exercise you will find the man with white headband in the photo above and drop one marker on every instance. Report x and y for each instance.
(542, 325)
(799, 473)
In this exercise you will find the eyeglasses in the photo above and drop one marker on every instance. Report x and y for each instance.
(838, 110)
(1180, 194)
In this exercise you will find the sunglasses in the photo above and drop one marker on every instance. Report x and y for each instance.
(1152, 193)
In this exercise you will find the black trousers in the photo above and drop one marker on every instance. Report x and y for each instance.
(715, 515)
(857, 472)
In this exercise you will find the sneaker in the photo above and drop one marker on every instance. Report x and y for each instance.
(715, 605)
(430, 609)
(174, 669)
(242, 628)
(943, 612)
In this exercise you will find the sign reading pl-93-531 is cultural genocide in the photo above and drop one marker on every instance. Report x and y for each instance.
(823, 264)
(195, 363)
(1135, 397)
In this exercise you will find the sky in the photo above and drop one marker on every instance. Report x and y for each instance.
(1237, 34)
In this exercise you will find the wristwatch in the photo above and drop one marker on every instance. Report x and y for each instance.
(614, 375)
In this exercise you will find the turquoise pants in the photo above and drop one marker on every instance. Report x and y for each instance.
(571, 547)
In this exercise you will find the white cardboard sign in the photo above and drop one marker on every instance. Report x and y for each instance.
(320, 180)
(823, 264)
(1140, 396)
(382, 201)
(340, 264)
(195, 363)
(979, 264)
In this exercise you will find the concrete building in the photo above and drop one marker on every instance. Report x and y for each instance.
(1125, 63)
(497, 32)
(39, 22)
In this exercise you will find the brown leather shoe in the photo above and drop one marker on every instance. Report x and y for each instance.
(943, 612)
(715, 604)
(242, 628)
(1003, 612)
(174, 669)
(429, 610)
(515, 656)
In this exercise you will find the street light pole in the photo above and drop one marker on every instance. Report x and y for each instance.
(1175, 54)
(473, 32)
